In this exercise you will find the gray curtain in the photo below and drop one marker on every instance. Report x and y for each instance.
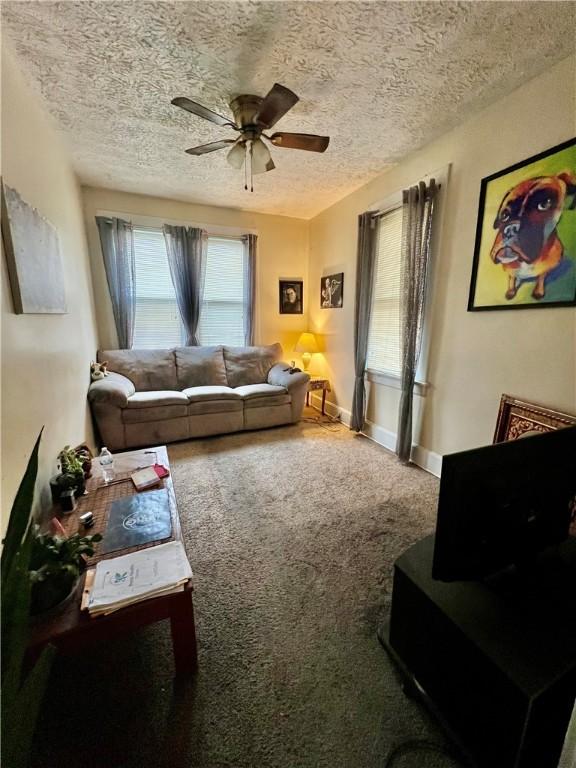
(365, 262)
(187, 249)
(117, 241)
(418, 204)
(250, 245)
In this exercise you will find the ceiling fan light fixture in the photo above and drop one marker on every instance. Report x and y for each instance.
(261, 157)
(237, 155)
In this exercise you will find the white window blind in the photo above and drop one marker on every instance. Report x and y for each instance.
(384, 345)
(222, 314)
(157, 323)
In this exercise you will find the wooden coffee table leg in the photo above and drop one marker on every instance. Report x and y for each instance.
(323, 401)
(184, 635)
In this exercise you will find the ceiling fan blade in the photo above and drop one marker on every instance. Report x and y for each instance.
(198, 109)
(307, 141)
(203, 149)
(275, 104)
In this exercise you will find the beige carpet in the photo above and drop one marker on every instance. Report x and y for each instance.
(292, 533)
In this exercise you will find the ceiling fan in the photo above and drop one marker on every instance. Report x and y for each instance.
(252, 116)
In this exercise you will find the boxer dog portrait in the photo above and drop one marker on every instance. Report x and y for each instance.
(527, 244)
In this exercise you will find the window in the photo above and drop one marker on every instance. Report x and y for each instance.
(157, 323)
(384, 346)
(222, 313)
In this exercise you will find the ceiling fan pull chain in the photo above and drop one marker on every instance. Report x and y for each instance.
(251, 166)
(245, 171)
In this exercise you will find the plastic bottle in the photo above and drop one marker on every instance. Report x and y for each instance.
(107, 463)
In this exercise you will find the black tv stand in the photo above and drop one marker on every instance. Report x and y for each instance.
(496, 666)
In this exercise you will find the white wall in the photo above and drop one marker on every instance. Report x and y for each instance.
(45, 358)
(282, 253)
(474, 356)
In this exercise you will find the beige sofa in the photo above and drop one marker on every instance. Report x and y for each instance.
(152, 397)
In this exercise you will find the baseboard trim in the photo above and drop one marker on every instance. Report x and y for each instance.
(331, 409)
(427, 460)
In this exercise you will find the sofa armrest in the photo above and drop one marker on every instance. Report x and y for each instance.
(281, 377)
(114, 389)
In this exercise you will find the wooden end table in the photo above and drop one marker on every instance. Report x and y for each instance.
(316, 382)
(71, 629)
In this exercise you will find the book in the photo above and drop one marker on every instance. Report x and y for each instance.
(145, 478)
(137, 519)
(141, 575)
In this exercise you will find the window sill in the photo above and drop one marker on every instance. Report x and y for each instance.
(393, 381)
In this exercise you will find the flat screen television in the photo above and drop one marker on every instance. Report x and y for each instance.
(502, 504)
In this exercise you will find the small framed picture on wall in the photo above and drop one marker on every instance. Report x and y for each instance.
(291, 301)
(332, 291)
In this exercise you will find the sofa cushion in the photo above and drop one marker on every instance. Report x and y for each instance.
(156, 398)
(199, 394)
(250, 365)
(200, 367)
(262, 395)
(154, 413)
(259, 390)
(214, 406)
(268, 401)
(147, 369)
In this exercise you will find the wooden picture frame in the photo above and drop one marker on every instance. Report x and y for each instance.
(516, 265)
(518, 418)
(291, 297)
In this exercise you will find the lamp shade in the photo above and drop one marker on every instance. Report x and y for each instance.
(307, 343)
(237, 155)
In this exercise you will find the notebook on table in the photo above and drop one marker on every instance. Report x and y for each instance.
(138, 519)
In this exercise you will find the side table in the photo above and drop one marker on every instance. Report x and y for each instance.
(318, 383)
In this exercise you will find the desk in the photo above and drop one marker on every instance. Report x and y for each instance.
(71, 629)
(318, 383)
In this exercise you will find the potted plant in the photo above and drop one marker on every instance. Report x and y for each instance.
(56, 563)
(23, 685)
(72, 471)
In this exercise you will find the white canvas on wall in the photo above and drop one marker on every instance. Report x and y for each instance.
(33, 257)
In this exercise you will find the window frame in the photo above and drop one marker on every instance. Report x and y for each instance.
(386, 205)
(213, 230)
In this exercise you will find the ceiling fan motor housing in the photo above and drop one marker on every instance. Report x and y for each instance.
(245, 108)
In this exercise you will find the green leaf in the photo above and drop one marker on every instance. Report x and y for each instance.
(19, 715)
(16, 591)
(21, 510)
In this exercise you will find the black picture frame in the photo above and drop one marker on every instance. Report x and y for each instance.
(486, 214)
(332, 291)
(288, 290)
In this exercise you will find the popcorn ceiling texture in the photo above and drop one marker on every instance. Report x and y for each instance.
(380, 78)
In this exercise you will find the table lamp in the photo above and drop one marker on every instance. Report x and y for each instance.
(307, 345)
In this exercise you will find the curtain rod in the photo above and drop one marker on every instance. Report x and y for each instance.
(379, 214)
(151, 228)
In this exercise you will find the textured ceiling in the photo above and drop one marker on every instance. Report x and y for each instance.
(380, 78)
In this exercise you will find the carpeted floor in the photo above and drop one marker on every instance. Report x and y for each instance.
(292, 533)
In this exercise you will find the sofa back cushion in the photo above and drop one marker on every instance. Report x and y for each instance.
(250, 365)
(200, 367)
(147, 369)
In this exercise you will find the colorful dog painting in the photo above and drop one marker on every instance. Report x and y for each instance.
(525, 252)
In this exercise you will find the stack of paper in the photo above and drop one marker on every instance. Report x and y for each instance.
(138, 576)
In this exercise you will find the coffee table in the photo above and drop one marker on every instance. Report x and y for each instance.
(71, 629)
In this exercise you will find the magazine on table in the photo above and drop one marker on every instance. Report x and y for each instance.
(128, 579)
